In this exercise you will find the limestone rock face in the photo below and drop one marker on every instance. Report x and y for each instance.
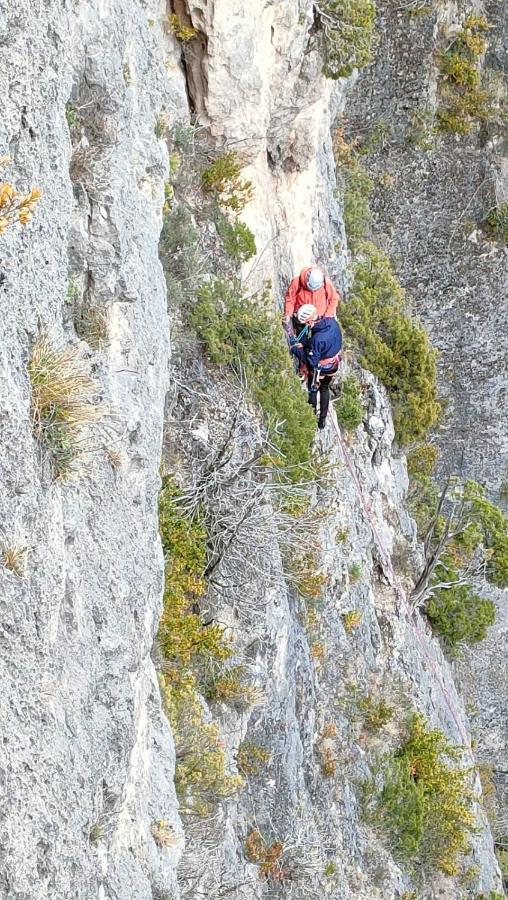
(90, 92)
(86, 759)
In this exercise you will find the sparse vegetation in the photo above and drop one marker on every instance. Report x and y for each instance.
(355, 573)
(15, 208)
(222, 179)
(230, 685)
(13, 558)
(267, 855)
(464, 99)
(358, 187)
(64, 401)
(351, 620)
(349, 407)
(71, 114)
(422, 461)
(238, 333)
(326, 751)
(376, 713)
(91, 324)
(238, 240)
(425, 804)
(496, 223)
(184, 638)
(164, 834)
(202, 779)
(303, 568)
(318, 651)
(189, 646)
(183, 33)
(97, 832)
(467, 536)
(251, 759)
(393, 346)
(348, 35)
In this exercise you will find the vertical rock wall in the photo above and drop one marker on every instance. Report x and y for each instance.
(86, 761)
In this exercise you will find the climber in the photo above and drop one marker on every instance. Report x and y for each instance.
(311, 286)
(318, 350)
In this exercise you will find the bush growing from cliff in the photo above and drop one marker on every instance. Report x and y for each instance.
(347, 28)
(184, 638)
(202, 779)
(349, 407)
(15, 208)
(464, 100)
(238, 333)
(238, 240)
(189, 645)
(425, 804)
(467, 537)
(13, 558)
(458, 614)
(358, 187)
(393, 346)
(267, 855)
(63, 403)
(223, 180)
(251, 758)
(496, 222)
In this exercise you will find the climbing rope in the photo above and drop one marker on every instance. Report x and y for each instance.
(399, 590)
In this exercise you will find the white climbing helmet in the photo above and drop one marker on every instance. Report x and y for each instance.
(315, 279)
(306, 313)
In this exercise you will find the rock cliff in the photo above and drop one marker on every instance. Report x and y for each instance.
(91, 96)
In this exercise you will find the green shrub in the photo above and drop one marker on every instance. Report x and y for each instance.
(492, 531)
(230, 685)
(351, 620)
(189, 647)
(251, 758)
(239, 242)
(463, 99)
(222, 179)
(357, 215)
(201, 776)
(348, 34)
(183, 33)
(394, 346)
(496, 222)
(355, 572)
(184, 639)
(349, 405)
(458, 614)
(179, 243)
(422, 461)
(237, 332)
(425, 802)
(376, 713)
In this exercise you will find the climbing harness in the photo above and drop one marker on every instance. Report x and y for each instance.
(399, 590)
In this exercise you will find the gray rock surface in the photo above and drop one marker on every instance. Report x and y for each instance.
(89, 91)
(86, 757)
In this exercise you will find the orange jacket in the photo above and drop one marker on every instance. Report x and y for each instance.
(326, 299)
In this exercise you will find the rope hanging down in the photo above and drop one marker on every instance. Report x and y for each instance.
(399, 590)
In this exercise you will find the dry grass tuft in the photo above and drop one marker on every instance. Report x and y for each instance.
(164, 834)
(64, 401)
(91, 324)
(14, 559)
